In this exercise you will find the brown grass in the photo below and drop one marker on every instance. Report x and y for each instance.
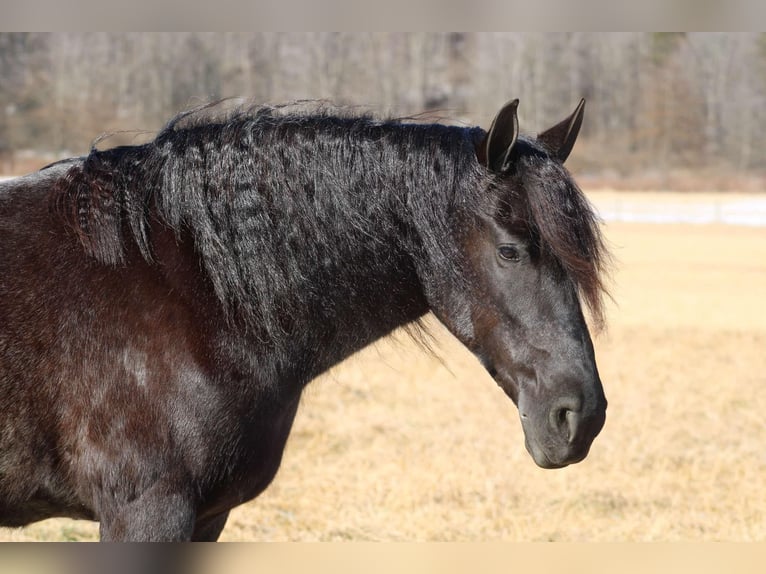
(397, 444)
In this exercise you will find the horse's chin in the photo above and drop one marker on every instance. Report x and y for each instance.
(542, 459)
(549, 451)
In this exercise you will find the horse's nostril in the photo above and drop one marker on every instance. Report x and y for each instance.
(560, 418)
(573, 423)
(566, 422)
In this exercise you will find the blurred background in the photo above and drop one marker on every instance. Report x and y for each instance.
(399, 443)
(660, 105)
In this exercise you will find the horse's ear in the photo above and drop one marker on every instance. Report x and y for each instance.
(561, 138)
(494, 151)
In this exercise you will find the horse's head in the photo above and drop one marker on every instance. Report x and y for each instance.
(529, 257)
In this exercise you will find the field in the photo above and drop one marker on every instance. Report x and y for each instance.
(401, 444)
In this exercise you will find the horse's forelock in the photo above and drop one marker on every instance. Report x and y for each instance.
(568, 228)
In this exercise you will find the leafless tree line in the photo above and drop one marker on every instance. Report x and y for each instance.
(655, 101)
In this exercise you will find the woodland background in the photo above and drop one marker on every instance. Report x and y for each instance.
(658, 103)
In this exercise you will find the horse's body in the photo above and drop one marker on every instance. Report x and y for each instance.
(163, 306)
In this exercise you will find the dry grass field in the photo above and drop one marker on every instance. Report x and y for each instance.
(398, 444)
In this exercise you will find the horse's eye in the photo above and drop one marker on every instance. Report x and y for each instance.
(509, 252)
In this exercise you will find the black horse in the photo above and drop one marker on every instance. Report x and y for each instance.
(162, 306)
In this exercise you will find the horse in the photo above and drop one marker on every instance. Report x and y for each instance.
(164, 304)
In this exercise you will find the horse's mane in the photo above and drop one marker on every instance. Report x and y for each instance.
(268, 193)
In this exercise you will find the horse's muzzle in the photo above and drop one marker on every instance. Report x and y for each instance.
(563, 434)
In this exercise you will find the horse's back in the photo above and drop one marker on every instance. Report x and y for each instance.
(36, 183)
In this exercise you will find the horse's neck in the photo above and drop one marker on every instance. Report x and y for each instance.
(357, 311)
(340, 307)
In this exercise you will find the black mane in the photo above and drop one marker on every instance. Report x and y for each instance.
(268, 192)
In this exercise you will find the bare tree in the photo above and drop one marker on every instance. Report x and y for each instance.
(655, 100)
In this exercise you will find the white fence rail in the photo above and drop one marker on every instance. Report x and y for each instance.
(749, 211)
